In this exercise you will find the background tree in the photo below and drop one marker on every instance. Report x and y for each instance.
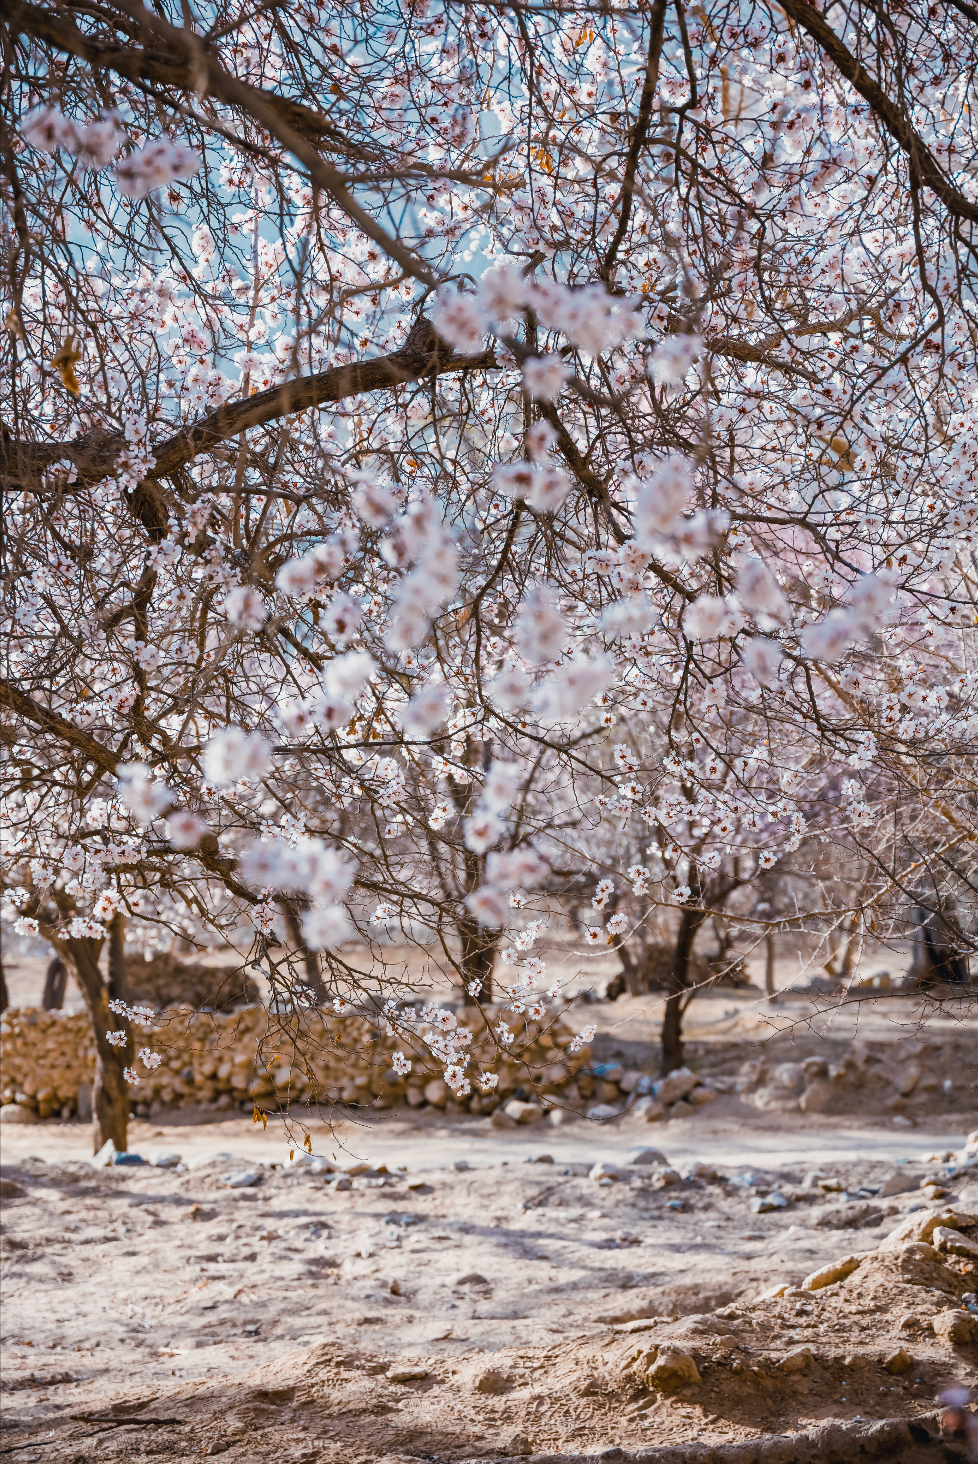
(411, 406)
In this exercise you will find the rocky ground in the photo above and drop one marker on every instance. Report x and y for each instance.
(527, 1304)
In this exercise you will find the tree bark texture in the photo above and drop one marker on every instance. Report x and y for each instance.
(110, 1091)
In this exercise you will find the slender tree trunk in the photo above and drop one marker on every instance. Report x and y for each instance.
(4, 1002)
(314, 976)
(672, 1022)
(478, 958)
(110, 1091)
(55, 981)
(772, 994)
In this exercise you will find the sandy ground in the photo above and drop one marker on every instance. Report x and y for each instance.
(279, 1321)
(267, 1319)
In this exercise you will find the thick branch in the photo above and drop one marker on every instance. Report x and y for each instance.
(422, 354)
(924, 168)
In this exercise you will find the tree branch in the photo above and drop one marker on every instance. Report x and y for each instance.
(924, 168)
(423, 354)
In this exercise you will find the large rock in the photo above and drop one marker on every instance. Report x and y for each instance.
(436, 1092)
(650, 1109)
(673, 1369)
(675, 1087)
(898, 1361)
(701, 1095)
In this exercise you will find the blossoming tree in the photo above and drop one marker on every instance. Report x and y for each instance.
(462, 462)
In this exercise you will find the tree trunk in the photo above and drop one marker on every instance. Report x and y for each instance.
(478, 958)
(672, 1022)
(314, 976)
(110, 1091)
(772, 994)
(55, 981)
(4, 1002)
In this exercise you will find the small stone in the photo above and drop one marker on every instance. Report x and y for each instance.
(675, 1086)
(604, 1171)
(818, 1097)
(542, 1159)
(701, 1096)
(244, 1179)
(833, 1272)
(345, 1184)
(405, 1373)
(955, 1326)
(126, 1158)
(522, 1113)
(897, 1362)
(856, 1361)
(646, 1157)
(518, 1445)
(103, 1159)
(492, 1381)
(649, 1109)
(461, 1165)
(436, 1092)
(163, 1159)
(395, 1288)
(673, 1369)
(17, 1113)
(219, 1446)
(501, 1119)
(917, 1250)
(558, 1117)
(665, 1178)
(762, 1204)
(799, 1359)
(602, 1112)
(471, 1278)
(704, 1172)
(953, 1243)
(899, 1183)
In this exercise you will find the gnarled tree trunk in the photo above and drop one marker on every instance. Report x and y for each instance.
(111, 1093)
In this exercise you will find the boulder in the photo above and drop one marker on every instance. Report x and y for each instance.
(955, 1326)
(650, 1109)
(701, 1095)
(501, 1120)
(673, 1369)
(436, 1092)
(898, 1361)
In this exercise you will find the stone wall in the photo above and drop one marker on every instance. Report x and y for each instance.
(248, 1057)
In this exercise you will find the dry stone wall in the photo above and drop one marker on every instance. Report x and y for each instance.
(248, 1057)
